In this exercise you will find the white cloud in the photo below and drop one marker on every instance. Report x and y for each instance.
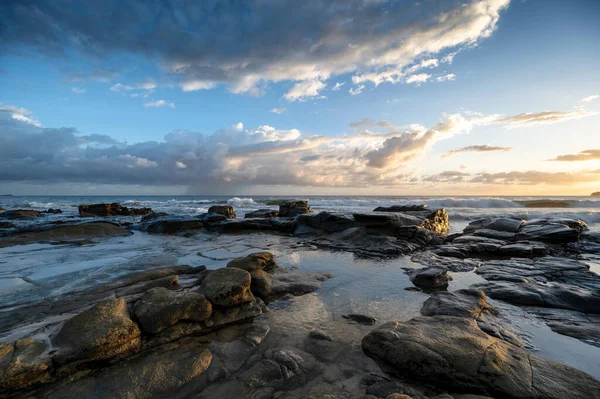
(78, 90)
(203, 46)
(338, 86)
(543, 118)
(356, 91)
(180, 165)
(301, 91)
(445, 78)
(159, 103)
(278, 111)
(418, 78)
(20, 114)
(119, 87)
(589, 99)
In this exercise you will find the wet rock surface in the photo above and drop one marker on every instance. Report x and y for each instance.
(290, 208)
(225, 210)
(252, 328)
(113, 209)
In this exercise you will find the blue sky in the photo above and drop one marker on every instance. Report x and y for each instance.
(135, 75)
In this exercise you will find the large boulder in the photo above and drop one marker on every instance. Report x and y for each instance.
(155, 374)
(211, 217)
(430, 278)
(225, 210)
(227, 287)
(256, 261)
(291, 208)
(453, 353)
(102, 332)
(22, 363)
(401, 223)
(551, 230)
(161, 308)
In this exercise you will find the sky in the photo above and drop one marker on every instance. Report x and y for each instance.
(338, 97)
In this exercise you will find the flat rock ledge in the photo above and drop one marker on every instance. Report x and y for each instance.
(133, 344)
(448, 350)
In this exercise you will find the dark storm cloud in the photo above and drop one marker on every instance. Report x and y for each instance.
(245, 44)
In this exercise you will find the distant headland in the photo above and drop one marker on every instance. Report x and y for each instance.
(596, 194)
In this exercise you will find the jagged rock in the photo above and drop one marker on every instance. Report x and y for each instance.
(454, 354)
(262, 213)
(360, 319)
(114, 209)
(395, 223)
(162, 225)
(328, 222)
(161, 308)
(507, 225)
(212, 217)
(401, 208)
(22, 363)
(225, 210)
(291, 208)
(227, 287)
(560, 296)
(102, 332)
(551, 230)
(157, 373)
(256, 261)
(65, 233)
(21, 214)
(430, 278)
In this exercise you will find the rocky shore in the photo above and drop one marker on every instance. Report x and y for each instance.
(189, 331)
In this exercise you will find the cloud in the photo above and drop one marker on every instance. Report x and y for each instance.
(338, 86)
(278, 111)
(97, 74)
(78, 90)
(418, 79)
(445, 78)
(119, 87)
(356, 91)
(450, 176)
(159, 103)
(586, 155)
(589, 99)
(476, 148)
(301, 91)
(544, 118)
(20, 114)
(206, 44)
(534, 177)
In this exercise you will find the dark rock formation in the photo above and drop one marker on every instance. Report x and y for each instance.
(291, 208)
(262, 213)
(20, 214)
(401, 208)
(22, 363)
(160, 308)
(228, 287)
(401, 223)
(453, 353)
(103, 332)
(114, 209)
(53, 211)
(65, 233)
(211, 217)
(7, 225)
(153, 215)
(170, 225)
(328, 222)
(430, 278)
(225, 210)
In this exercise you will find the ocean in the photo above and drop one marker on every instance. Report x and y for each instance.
(461, 210)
